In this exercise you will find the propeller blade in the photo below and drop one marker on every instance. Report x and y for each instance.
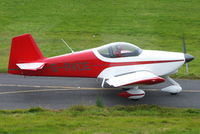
(184, 44)
(188, 57)
(185, 51)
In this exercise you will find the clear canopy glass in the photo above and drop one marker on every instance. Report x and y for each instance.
(119, 49)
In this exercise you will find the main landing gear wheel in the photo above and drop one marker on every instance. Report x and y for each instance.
(134, 94)
(125, 89)
(173, 93)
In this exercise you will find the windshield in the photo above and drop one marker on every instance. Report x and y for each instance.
(117, 50)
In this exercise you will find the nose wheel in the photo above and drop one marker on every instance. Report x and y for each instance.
(174, 89)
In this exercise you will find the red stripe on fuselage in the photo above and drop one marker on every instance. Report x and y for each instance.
(142, 62)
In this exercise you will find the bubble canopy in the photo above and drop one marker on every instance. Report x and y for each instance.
(119, 49)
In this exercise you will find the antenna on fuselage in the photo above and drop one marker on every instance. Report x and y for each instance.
(67, 45)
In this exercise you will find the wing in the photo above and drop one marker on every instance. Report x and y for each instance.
(140, 77)
(31, 66)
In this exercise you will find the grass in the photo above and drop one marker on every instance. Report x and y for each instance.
(99, 102)
(90, 23)
(95, 120)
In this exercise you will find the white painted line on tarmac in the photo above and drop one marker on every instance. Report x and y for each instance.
(65, 88)
(36, 86)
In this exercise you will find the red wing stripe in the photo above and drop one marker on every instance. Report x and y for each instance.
(147, 81)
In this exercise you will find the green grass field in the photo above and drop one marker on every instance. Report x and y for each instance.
(141, 119)
(150, 24)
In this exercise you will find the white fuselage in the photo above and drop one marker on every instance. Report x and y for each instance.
(160, 63)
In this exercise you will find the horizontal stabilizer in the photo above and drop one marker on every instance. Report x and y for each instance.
(31, 66)
(141, 77)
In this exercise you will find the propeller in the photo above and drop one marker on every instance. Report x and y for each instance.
(184, 45)
(188, 57)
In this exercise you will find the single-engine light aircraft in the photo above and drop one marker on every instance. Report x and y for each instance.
(118, 64)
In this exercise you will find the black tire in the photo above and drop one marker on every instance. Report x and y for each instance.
(125, 89)
(135, 99)
(173, 93)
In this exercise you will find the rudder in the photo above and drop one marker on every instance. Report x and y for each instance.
(23, 50)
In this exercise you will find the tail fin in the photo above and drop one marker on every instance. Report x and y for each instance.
(23, 50)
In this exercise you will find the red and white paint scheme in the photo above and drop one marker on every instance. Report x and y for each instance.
(118, 64)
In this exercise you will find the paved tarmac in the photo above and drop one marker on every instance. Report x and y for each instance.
(18, 92)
